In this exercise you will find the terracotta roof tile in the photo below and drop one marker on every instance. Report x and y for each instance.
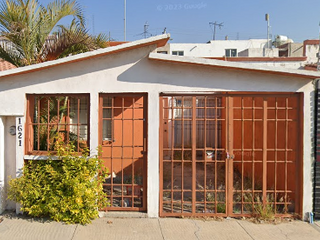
(4, 65)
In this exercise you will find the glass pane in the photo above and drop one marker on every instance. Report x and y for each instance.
(107, 102)
(167, 176)
(60, 114)
(106, 130)
(187, 134)
(107, 113)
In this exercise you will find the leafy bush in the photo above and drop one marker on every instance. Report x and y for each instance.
(65, 187)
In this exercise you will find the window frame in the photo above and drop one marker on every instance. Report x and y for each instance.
(178, 53)
(29, 123)
(231, 50)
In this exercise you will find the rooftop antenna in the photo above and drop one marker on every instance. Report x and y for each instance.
(164, 31)
(215, 24)
(145, 27)
(125, 23)
(318, 55)
(268, 31)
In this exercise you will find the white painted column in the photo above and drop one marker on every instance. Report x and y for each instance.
(20, 123)
(2, 170)
(94, 123)
(153, 154)
(308, 156)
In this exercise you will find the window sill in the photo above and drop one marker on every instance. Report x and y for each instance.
(39, 157)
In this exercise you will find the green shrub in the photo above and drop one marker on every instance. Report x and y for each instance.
(65, 187)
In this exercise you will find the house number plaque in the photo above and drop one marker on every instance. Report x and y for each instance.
(19, 132)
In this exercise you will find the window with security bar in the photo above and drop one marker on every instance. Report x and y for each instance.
(57, 116)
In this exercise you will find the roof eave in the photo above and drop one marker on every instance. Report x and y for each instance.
(159, 41)
(232, 65)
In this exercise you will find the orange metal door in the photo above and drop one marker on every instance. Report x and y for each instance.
(266, 162)
(193, 155)
(123, 140)
(230, 154)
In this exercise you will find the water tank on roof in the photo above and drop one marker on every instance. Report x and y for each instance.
(280, 40)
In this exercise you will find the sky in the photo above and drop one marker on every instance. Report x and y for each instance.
(188, 21)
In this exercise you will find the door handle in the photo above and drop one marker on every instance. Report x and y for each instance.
(144, 145)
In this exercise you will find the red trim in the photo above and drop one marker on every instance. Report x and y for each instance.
(260, 59)
(311, 42)
(311, 67)
(112, 44)
(158, 43)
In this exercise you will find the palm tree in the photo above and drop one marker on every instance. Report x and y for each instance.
(30, 32)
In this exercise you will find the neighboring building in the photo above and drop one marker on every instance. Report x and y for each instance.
(291, 50)
(181, 136)
(217, 48)
(286, 54)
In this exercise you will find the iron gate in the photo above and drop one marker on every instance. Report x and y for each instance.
(229, 154)
(122, 128)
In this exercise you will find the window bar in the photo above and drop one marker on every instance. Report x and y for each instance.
(276, 156)
(38, 124)
(67, 128)
(58, 114)
(182, 153)
(112, 141)
(264, 147)
(78, 125)
(48, 132)
(205, 153)
(122, 144)
(193, 137)
(172, 148)
(215, 156)
(253, 150)
(132, 160)
(88, 122)
(286, 163)
(242, 151)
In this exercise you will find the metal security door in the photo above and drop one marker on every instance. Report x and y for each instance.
(193, 155)
(266, 163)
(123, 139)
(230, 154)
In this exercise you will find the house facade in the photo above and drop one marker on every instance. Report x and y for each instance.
(181, 136)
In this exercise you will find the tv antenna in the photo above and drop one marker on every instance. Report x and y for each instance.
(145, 31)
(145, 27)
(268, 30)
(318, 55)
(215, 25)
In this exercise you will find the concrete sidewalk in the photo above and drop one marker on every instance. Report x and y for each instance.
(16, 228)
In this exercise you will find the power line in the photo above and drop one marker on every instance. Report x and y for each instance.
(215, 24)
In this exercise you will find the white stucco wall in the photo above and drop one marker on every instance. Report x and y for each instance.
(259, 52)
(132, 71)
(311, 53)
(2, 166)
(216, 48)
(7, 160)
(283, 64)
